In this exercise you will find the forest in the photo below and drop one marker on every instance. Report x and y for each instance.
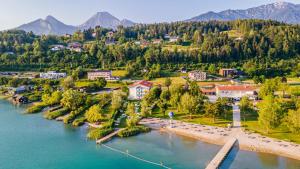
(256, 47)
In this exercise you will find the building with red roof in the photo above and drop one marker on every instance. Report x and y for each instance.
(236, 91)
(139, 89)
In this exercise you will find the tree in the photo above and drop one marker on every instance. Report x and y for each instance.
(293, 120)
(68, 83)
(132, 118)
(72, 99)
(211, 110)
(187, 104)
(245, 106)
(163, 106)
(168, 82)
(117, 100)
(269, 113)
(94, 114)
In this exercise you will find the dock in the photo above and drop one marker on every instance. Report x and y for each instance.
(108, 137)
(221, 155)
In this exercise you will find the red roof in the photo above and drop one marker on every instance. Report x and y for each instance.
(236, 88)
(143, 83)
(212, 90)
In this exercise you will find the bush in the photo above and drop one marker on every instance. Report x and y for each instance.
(53, 115)
(34, 98)
(36, 108)
(96, 133)
(132, 131)
(74, 114)
(79, 121)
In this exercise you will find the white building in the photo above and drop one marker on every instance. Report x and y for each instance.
(139, 89)
(197, 75)
(106, 74)
(236, 91)
(57, 47)
(173, 39)
(52, 75)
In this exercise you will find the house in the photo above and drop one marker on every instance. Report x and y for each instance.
(75, 46)
(173, 39)
(197, 75)
(227, 72)
(18, 90)
(106, 74)
(67, 35)
(57, 47)
(156, 41)
(139, 89)
(52, 75)
(110, 34)
(20, 99)
(236, 91)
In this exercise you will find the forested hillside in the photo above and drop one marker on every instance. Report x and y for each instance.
(255, 46)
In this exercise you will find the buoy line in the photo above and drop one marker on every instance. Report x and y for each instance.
(135, 157)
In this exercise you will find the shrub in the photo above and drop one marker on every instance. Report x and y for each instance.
(79, 121)
(96, 133)
(132, 131)
(53, 115)
(36, 108)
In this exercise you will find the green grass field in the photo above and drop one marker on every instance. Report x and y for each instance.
(119, 73)
(250, 122)
(234, 33)
(196, 118)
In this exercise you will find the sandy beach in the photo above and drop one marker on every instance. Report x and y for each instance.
(218, 135)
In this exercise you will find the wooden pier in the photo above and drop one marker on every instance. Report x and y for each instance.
(108, 137)
(219, 158)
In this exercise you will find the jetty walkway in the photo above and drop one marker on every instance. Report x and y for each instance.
(108, 137)
(219, 158)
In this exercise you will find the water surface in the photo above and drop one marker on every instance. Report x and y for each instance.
(31, 142)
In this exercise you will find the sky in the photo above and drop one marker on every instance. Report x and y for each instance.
(74, 12)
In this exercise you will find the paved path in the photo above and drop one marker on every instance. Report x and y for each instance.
(220, 157)
(108, 137)
(236, 116)
(218, 135)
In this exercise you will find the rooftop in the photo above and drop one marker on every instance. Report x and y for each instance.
(236, 88)
(143, 83)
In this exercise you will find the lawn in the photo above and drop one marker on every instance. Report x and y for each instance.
(233, 33)
(250, 122)
(196, 118)
(84, 83)
(175, 80)
(119, 73)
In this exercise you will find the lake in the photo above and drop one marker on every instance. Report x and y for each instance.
(31, 142)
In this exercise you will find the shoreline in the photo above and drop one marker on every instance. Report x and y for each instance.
(215, 135)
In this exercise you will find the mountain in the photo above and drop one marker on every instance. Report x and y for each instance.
(106, 20)
(279, 11)
(49, 25)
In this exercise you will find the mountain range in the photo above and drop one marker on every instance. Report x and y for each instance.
(279, 11)
(51, 25)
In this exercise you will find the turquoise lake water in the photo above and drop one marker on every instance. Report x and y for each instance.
(31, 142)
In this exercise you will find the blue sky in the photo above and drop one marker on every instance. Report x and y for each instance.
(16, 12)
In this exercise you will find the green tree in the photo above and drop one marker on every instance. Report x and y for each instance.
(94, 114)
(68, 83)
(168, 82)
(293, 120)
(270, 111)
(72, 99)
(187, 104)
(117, 100)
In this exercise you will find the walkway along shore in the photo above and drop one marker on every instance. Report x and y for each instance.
(218, 135)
